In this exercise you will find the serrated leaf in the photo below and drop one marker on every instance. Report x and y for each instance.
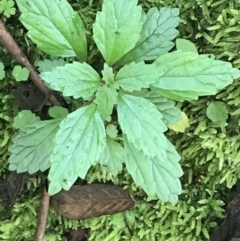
(20, 74)
(92, 200)
(217, 112)
(188, 76)
(143, 125)
(137, 76)
(58, 112)
(112, 131)
(186, 45)
(47, 65)
(55, 27)
(158, 175)
(106, 98)
(25, 117)
(32, 147)
(181, 125)
(117, 28)
(112, 157)
(2, 71)
(75, 79)
(171, 113)
(108, 75)
(79, 143)
(156, 36)
(175, 94)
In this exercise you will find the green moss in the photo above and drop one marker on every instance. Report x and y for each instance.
(209, 159)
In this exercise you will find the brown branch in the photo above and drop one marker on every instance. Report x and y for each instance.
(12, 47)
(39, 235)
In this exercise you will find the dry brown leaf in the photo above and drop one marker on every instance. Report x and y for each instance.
(92, 200)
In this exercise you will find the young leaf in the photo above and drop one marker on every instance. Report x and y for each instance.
(117, 28)
(137, 76)
(54, 27)
(20, 74)
(76, 79)
(25, 117)
(143, 125)
(47, 65)
(106, 98)
(79, 143)
(112, 157)
(181, 125)
(186, 46)
(7, 7)
(108, 75)
(2, 71)
(156, 36)
(112, 131)
(171, 113)
(188, 76)
(217, 112)
(157, 175)
(58, 112)
(32, 147)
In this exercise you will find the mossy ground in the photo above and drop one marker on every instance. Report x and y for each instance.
(210, 155)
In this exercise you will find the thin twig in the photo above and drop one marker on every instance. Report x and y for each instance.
(39, 235)
(12, 47)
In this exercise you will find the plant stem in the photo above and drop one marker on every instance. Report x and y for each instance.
(39, 235)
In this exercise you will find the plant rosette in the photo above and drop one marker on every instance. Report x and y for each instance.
(139, 83)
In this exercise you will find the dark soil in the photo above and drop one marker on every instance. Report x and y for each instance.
(229, 230)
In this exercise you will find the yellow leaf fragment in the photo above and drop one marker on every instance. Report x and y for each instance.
(181, 125)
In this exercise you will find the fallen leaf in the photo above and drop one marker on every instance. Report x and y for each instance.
(92, 200)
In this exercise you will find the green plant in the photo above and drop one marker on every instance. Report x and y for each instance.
(2, 71)
(20, 74)
(217, 112)
(7, 8)
(139, 78)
